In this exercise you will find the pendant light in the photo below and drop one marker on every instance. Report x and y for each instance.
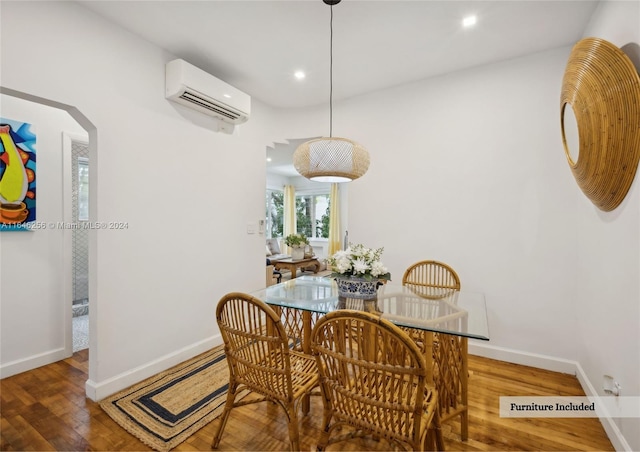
(331, 159)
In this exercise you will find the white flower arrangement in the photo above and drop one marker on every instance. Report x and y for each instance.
(360, 262)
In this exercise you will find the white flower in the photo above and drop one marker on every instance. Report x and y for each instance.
(341, 255)
(343, 265)
(357, 260)
(378, 269)
(360, 266)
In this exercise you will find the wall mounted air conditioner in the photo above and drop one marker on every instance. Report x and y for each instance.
(197, 89)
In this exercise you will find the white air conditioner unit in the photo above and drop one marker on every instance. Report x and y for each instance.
(197, 89)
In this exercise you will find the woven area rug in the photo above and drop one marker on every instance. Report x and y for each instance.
(164, 410)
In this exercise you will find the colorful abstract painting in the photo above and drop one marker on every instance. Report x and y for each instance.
(17, 175)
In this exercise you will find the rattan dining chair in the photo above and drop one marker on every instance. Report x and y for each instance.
(260, 361)
(431, 279)
(434, 280)
(373, 378)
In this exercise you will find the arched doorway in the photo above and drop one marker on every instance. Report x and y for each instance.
(35, 268)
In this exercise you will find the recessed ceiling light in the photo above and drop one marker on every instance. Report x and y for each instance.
(469, 21)
(268, 159)
(299, 75)
(228, 96)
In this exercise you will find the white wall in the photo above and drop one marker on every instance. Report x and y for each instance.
(482, 185)
(473, 174)
(32, 292)
(608, 260)
(155, 285)
(276, 181)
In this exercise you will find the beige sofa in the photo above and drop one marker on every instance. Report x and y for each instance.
(273, 250)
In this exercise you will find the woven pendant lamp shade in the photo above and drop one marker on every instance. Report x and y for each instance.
(331, 160)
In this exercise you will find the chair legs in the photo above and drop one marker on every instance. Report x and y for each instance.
(231, 396)
(291, 412)
(435, 432)
(294, 431)
(324, 435)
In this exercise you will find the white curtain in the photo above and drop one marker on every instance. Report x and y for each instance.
(289, 226)
(334, 220)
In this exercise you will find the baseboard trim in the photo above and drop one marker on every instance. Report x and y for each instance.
(98, 391)
(557, 365)
(31, 362)
(524, 358)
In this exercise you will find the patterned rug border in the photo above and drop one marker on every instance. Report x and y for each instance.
(157, 425)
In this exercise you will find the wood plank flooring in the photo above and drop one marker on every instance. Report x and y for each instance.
(46, 409)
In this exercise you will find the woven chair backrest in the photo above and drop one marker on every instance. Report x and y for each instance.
(431, 278)
(372, 373)
(255, 344)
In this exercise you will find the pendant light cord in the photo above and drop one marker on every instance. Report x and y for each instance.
(331, 75)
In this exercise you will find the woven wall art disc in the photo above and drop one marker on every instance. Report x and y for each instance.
(602, 86)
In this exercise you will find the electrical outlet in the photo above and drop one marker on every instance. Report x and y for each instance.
(611, 386)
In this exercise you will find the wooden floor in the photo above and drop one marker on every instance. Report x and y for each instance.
(46, 409)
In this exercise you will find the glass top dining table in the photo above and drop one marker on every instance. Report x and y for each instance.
(459, 313)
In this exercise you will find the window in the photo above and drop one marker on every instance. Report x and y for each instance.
(275, 214)
(312, 214)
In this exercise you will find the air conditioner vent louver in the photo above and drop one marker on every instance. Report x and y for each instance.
(196, 89)
(190, 97)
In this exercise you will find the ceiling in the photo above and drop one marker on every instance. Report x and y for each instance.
(257, 46)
